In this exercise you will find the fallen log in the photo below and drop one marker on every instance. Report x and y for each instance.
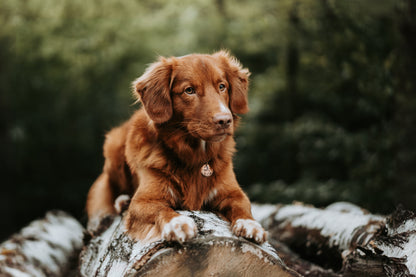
(343, 239)
(214, 252)
(47, 247)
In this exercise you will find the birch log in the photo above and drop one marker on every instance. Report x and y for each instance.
(214, 252)
(47, 247)
(343, 238)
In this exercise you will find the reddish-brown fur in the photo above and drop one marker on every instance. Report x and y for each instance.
(157, 155)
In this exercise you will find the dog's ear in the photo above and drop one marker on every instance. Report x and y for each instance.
(238, 79)
(153, 90)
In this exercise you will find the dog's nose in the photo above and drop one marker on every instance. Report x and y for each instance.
(223, 120)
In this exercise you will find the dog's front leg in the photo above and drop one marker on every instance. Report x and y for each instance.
(151, 216)
(235, 206)
(152, 219)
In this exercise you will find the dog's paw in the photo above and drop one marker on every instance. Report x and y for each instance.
(122, 203)
(250, 229)
(180, 228)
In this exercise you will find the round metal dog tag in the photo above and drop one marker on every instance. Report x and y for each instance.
(206, 170)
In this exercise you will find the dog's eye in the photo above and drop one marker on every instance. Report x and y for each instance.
(222, 87)
(189, 90)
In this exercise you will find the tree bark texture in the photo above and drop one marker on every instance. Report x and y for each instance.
(340, 240)
(47, 247)
(343, 239)
(214, 252)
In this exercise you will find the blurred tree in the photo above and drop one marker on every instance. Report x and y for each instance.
(405, 116)
(329, 124)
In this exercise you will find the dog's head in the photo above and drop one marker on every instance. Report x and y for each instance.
(202, 93)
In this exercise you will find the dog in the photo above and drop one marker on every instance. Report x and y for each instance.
(175, 153)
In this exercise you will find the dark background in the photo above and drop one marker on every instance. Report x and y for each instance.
(333, 103)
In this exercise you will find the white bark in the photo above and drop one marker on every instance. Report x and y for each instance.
(358, 241)
(46, 247)
(214, 252)
(341, 240)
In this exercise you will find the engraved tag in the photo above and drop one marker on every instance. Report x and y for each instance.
(206, 170)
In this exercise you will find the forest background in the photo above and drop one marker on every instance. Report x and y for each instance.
(332, 97)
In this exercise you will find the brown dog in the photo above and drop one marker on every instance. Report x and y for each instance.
(176, 152)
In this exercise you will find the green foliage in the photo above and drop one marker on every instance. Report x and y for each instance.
(327, 121)
(331, 86)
